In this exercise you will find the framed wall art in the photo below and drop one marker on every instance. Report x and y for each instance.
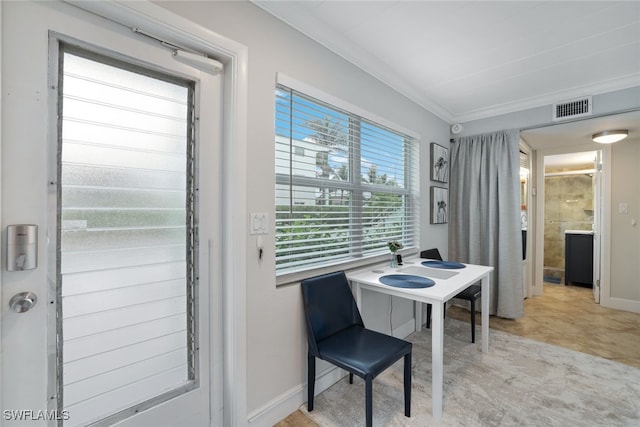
(439, 205)
(439, 163)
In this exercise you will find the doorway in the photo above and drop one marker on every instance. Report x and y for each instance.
(110, 192)
(591, 159)
(569, 203)
(616, 238)
(30, 186)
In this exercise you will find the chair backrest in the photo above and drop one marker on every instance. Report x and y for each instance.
(329, 307)
(431, 254)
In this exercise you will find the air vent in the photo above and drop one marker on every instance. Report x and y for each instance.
(572, 108)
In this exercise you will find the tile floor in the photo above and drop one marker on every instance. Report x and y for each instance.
(565, 316)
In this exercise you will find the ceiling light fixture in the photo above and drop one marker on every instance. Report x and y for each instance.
(610, 136)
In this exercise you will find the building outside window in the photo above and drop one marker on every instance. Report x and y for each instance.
(345, 184)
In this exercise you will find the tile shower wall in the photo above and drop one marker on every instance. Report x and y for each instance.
(568, 206)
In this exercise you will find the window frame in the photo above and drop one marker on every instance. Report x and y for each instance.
(355, 184)
(65, 45)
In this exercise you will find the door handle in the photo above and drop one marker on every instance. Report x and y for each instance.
(23, 302)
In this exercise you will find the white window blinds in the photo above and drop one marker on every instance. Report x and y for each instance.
(345, 185)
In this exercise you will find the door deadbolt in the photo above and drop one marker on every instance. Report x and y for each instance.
(22, 247)
(23, 302)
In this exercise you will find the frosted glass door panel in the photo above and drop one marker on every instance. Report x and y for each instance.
(123, 238)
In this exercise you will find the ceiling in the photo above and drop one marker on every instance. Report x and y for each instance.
(467, 60)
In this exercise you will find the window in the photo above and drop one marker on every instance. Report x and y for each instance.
(127, 232)
(345, 185)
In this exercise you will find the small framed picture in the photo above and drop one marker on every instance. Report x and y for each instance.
(439, 163)
(439, 205)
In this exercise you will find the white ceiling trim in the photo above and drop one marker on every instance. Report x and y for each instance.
(549, 99)
(317, 30)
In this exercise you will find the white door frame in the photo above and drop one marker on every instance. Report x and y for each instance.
(597, 225)
(605, 214)
(528, 281)
(166, 24)
(2, 255)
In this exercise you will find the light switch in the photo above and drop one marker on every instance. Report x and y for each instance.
(259, 223)
(623, 208)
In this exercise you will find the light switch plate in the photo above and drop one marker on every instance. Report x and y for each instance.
(259, 223)
(623, 208)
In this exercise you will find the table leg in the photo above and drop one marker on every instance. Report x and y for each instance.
(437, 347)
(485, 313)
(418, 310)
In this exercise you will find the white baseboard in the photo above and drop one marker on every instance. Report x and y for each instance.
(622, 304)
(277, 409)
(288, 402)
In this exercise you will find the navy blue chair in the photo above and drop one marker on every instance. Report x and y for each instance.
(336, 333)
(471, 294)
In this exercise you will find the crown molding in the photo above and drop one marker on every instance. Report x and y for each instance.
(550, 98)
(307, 24)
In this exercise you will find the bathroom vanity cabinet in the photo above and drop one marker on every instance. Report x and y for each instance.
(578, 260)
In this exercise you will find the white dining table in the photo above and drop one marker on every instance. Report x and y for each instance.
(448, 283)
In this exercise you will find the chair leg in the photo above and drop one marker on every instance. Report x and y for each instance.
(350, 378)
(473, 321)
(407, 384)
(311, 380)
(428, 316)
(368, 395)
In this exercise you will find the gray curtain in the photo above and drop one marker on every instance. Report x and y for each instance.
(484, 224)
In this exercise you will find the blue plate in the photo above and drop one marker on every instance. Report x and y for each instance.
(407, 281)
(443, 264)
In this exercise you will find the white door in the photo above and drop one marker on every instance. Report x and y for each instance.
(597, 226)
(121, 330)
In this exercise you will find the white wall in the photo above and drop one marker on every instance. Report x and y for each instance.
(602, 104)
(623, 290)
(276, 337)
(625, 236)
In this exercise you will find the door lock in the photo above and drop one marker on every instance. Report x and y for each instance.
(23, 302)
(22, 247)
